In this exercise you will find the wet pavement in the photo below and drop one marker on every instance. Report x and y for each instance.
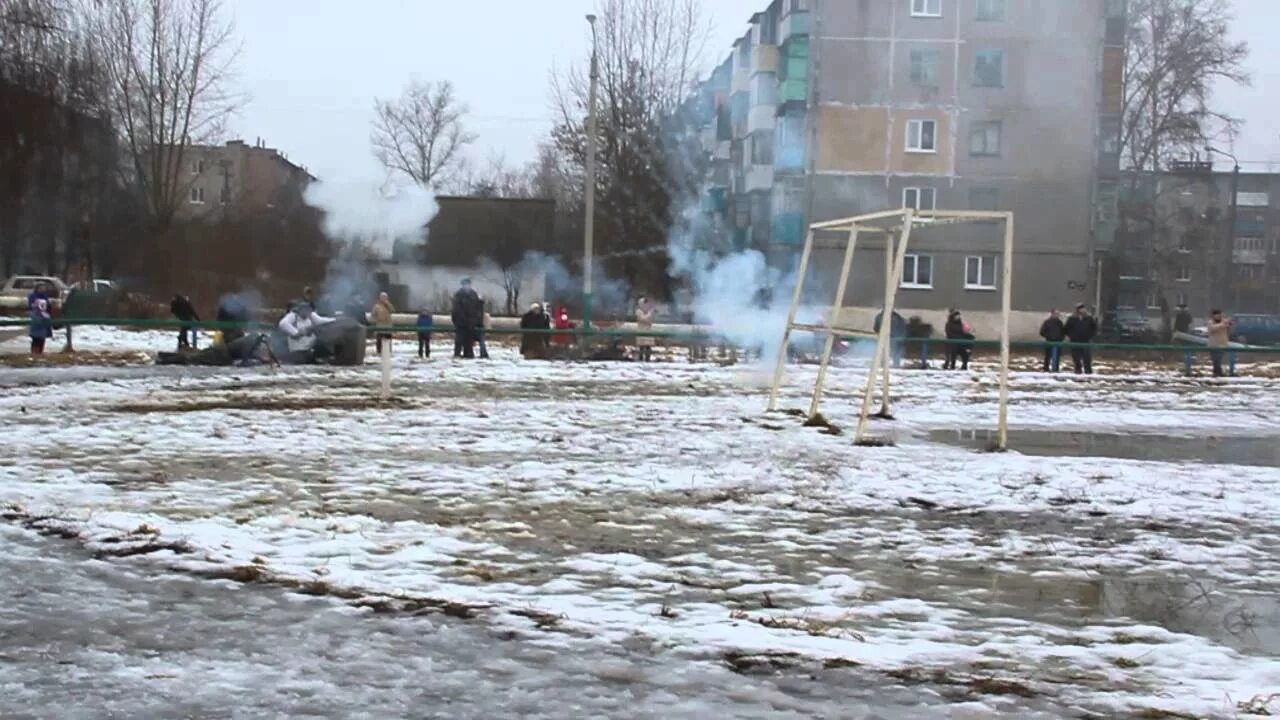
(1207, 448)
(81, 638)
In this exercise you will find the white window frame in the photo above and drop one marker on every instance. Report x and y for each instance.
(983, 261)
(929, 59)
(983, 127)
(1184, 273)
(197, 167)
(197, 196)
(919, 124)
(920, 193)
(926, 8)
(912, 261)
(1153, 300)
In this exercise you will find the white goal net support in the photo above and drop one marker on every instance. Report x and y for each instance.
(892, 229)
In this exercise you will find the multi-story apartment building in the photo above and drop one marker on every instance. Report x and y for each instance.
(832, 108)
(238, 177)
(1202, 252)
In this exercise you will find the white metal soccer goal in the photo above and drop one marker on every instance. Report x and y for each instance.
(894, 227)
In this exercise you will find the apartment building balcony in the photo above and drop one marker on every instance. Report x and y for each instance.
(765, 59)
(796, 22)
(1249, 257)
(788, 228)
(762, 117)
(723, 150)
(795, 90)
(758, 177)
(741, 80)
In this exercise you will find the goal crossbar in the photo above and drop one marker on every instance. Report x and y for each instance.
(895, 226)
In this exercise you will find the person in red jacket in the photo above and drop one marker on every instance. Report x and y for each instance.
(562, 323)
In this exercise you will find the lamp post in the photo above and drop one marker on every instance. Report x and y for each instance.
(589, 223)
(1226, 255)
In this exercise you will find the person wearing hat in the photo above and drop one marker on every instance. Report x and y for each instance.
(1081, 328)
(533, 345)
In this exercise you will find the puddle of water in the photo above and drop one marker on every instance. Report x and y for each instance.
(1239, 450)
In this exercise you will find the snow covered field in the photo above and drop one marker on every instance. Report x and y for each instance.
(659, 507)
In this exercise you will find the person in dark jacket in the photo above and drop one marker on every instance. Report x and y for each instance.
(533, 346)
(1081, 328)
(232, 309)
(185, 311)
(1182, 320)
(41, 311)
(958, 330)
(1053, 330)
(467, 316)
(897, 331)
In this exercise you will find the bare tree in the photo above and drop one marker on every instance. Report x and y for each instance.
(650, 53)
(168, 66)
(1177, 51)
(421, 134)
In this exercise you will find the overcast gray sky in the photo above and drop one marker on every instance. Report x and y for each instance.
(314, 67)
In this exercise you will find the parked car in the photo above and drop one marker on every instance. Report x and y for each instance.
(97, 285)
(13, 296)
(1128, 325)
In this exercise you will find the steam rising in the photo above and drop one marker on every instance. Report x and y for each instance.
(372, 216)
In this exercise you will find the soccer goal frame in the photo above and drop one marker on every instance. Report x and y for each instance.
(895, 227)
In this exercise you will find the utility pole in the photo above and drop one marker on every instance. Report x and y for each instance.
(1226, 256)
(589, 223)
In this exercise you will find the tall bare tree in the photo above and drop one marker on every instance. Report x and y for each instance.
(421, 134)
(650, 53)
(168, 65)
(1177, 52)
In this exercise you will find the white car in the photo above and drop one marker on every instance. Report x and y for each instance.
(16, 289)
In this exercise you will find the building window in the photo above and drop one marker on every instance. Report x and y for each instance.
(985, 138)
(197, 167)
(225, 195)
(917, 272)
(990, 10)
(1182, 299)
(197, 196)
(1184, 243)
(924, 67)
(1184, 273)
(988, 68)
(1153, 300)
(926, 8)
(981, 198)
(980, 272)
(922, 136)
(919, 198)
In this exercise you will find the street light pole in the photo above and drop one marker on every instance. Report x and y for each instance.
(589, 223)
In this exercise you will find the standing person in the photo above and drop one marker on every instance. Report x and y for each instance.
(533, 345)
(486, 322)
(1053, 330)
(563, 323)
(41, 310)
(1081, 328)
(182, 309)
(380, 316)
(425, 322)
(1182, 320)
(309, 298)
(961, 335)
(1219, 340)
(299, 328)
(468, 314)
(897, 331)
(645, 313)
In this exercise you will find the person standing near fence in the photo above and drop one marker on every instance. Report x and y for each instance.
(468, 315)
(380, 315)
(1219, 340)
(961, 334)
(645, 314)
(1053, 330)
(1081, 328)
(185, 311)
(41, 326)
(425, 322)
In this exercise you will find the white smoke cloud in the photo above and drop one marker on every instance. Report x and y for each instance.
(372, 216)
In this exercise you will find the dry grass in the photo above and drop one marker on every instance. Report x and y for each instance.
(266, 402)
(76, 359)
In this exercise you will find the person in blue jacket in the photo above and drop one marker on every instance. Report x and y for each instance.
(425, 322)
(41, 318)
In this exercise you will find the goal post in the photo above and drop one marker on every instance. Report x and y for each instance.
(895, 227)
